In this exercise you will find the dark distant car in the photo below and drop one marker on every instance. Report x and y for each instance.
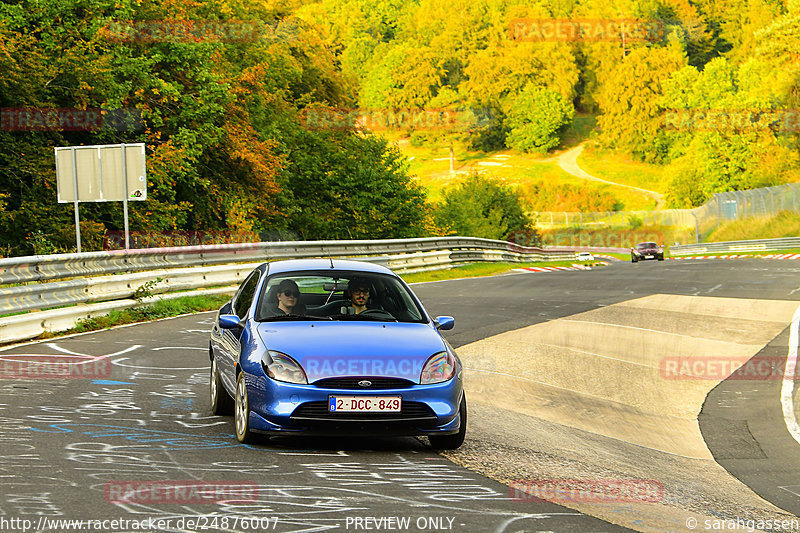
(646, 250)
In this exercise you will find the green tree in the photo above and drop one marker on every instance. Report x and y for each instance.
(404, 77)
(537, 119)
(630, 99)
(344, 186)
(480, 207)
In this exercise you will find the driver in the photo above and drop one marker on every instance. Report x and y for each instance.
(287, 299)
(358, 289)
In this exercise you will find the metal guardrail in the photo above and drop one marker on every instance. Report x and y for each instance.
(61, 266)
(109, 276)
(755, 245)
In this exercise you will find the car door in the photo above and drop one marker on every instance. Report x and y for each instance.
(230, 339)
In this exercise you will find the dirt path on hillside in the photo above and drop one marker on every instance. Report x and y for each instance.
(568, 161)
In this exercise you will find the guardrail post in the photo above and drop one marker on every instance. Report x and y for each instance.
(696, 226)
(75, 185)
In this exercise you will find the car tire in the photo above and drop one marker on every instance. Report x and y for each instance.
(221, 401)
(241, 414)
(661, 258)
(634, 260)
(451, 442)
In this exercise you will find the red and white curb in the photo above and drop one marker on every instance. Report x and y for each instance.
(780, 256)
(554, 269)
(741, 256)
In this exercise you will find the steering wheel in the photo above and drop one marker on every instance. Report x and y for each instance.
(377, 313)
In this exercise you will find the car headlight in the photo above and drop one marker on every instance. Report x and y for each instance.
(440, 367)
(284, 368)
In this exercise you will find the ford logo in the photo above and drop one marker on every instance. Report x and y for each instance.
(365, 383)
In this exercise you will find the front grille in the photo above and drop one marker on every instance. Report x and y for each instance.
(352, 383)
(319, 411)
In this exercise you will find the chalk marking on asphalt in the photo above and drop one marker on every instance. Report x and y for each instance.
(179, 348)
(56, 347)
(119, 363)
(787, 388)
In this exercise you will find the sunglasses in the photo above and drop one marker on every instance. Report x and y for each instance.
(360, 289)
(290, 293)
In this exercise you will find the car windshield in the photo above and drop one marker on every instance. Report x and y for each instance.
(646, 245)
(344, 296)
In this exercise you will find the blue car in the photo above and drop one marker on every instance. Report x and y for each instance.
(334, 347)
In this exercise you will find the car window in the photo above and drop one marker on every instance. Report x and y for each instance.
(244, 297)
(323, 296)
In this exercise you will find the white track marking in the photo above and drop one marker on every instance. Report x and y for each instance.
(56, 347)
(179, 348)
(119, 362)
(787, 388)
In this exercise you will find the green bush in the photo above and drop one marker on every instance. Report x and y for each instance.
(480, 207)
(537, 119)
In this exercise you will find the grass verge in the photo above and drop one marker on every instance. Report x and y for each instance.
(753, 253)
(784, 224)
(476, 270)
(612, 166)
(144, 313)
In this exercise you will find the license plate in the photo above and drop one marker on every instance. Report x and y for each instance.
(649, 256)
(364, 404)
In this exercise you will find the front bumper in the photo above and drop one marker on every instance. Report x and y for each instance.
(278, 408)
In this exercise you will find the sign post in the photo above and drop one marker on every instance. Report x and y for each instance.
(101, 173)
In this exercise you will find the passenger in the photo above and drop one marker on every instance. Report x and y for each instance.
(288, 299)
(358, 289)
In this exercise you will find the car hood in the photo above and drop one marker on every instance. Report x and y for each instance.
(336, 349)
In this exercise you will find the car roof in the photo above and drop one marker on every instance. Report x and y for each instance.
(296, 265)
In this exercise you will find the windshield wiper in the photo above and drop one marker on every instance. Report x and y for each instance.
(294, 317)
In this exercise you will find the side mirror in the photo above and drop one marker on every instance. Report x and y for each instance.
(229, 322)
(444, 322)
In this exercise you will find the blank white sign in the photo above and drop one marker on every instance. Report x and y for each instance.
(99, 175)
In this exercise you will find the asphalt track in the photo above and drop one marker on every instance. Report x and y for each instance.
(69, 446)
